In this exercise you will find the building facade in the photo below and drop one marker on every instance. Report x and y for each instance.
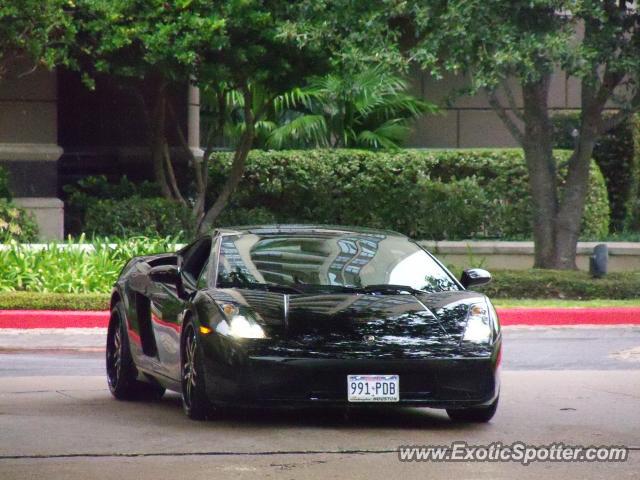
(469, 121)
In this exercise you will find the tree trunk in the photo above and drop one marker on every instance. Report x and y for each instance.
(557, 212)
(170, 173)
(158, 140)
(569, 218)
(237, 167)
(215, 131)
(538, 150)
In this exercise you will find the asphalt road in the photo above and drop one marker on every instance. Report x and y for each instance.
(579, 386)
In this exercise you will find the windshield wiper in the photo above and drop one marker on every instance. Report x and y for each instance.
(390, 288)
(381, 288)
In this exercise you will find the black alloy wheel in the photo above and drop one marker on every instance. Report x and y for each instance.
(121, 371)
(194, 400)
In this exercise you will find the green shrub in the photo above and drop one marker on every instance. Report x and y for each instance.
(537, 283)
(65, 268)
(16, 224)
(53, 301)
(134, 216)
(427, 194)
(617, 155)
(84, 194)
(245, 216)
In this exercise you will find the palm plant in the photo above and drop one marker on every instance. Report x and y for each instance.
(369, 109)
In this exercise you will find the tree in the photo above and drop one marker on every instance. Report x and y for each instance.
(493, 41)
(260, 62)
(222, 46)
(152, 47)
(31, 33)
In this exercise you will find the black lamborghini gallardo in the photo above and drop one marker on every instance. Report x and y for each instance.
(299, 315)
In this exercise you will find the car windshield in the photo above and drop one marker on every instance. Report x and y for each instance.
(307, 261)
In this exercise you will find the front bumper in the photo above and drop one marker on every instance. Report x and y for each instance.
(237, 378)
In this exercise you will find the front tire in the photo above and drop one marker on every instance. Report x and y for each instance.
(121, 371)
(474, 414)
(194, 399)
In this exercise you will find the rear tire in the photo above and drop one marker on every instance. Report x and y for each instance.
(474, 414)
(195, 403)
(121, 371)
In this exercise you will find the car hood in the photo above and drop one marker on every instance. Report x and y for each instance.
(399, 326)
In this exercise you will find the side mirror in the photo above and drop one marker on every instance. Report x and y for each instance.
(475, 276)
(168, 274)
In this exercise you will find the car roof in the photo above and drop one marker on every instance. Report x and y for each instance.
(304, 229)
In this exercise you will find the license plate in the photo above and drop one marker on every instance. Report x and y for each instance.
(373, 388)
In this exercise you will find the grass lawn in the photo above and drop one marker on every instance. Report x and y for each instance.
(100, 301)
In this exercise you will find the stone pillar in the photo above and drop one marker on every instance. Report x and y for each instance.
(193, 120)
(29, 148)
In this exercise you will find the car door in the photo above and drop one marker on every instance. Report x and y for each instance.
(168, 302)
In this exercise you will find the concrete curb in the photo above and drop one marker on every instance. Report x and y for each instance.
(30, 319)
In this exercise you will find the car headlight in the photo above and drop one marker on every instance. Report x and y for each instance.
(480, 323)
(240, 322)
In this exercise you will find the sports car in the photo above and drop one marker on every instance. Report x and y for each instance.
(304, 315)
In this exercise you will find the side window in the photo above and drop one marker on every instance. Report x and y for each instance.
(232, 271)
(195, 259)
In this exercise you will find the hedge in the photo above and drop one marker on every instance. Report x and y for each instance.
(617, 153)
(133, 216)
(576, 285)
(53, 301)
(100, 208)
(427, 194)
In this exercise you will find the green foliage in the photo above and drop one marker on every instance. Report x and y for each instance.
(69, 268)
(84, 194)
(616, 155)
(33, 33)
(494, 40)
(138, 39)
(428, 194)
(537, 283)
(246, 216)
(100, 187)
(234, 42)
(53, 301)
(16, 223)
(98, 207)
(367, 109)
(133, 216)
